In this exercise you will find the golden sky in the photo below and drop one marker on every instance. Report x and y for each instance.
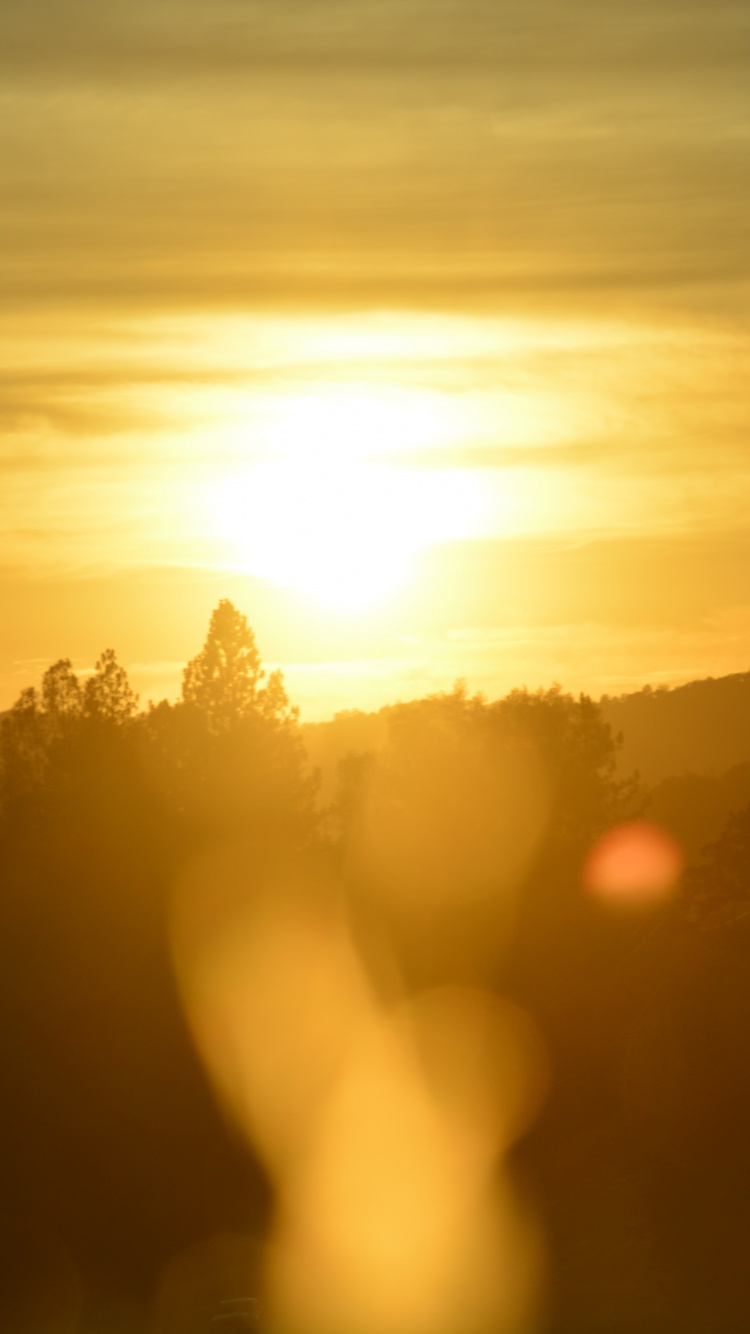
(417, 327)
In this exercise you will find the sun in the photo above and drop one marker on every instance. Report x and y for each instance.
(333, 530)
(339, 506)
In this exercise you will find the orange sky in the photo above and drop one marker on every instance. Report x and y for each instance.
(419, 329)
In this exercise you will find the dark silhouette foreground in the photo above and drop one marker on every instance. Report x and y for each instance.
(458, 843)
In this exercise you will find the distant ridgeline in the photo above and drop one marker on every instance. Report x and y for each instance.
(690, 745)
(699, 728)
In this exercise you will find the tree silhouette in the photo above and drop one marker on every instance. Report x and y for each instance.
(107, 695)
(61, 697)
(223, 680)
(717, 890)
(230, 754)
(118, 1147)
(42, 734)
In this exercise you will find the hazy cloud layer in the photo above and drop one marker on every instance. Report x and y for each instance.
(212, 34)
(469, 151)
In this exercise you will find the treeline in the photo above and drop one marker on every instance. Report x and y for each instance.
(113, 1147)
(456, 844)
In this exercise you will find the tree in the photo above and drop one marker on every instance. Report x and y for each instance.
(230, 754)
(61, 694)
(578, 751)
(223, 680)
(41, 736)
(716, 892)
(107, 695)
(472, 764)
(482, 813)
(97, 1058)
(23, 750)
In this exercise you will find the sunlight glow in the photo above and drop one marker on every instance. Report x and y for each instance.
(345, 534)
(354, 420)
(324, 515)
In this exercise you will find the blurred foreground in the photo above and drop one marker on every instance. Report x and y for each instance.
(463, 1048)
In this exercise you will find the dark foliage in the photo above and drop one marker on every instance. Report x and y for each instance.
(458, 831)
(114, 1144)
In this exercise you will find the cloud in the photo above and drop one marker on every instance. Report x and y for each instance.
(222, 34)
(427, 152)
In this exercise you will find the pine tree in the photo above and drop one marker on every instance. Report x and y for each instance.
(223, 680)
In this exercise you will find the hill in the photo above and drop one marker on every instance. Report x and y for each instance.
(690, 744)
(699, 728)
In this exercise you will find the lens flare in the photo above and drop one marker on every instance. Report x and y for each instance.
(636, 863)
(380, 1123)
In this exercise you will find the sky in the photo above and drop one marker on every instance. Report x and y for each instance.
(418, 328)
